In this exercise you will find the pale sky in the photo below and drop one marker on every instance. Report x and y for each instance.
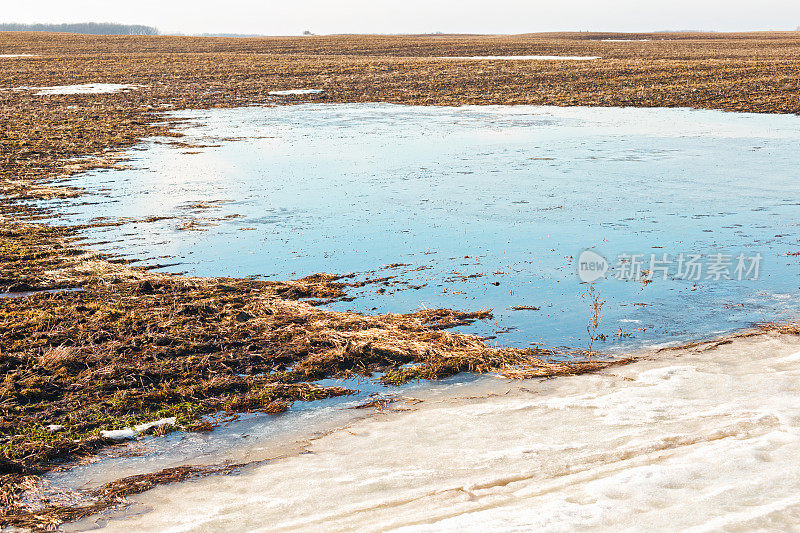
(291, 17)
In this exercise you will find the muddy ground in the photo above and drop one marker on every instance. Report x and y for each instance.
(133, 346)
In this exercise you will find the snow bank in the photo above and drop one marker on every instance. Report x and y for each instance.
(689, 439)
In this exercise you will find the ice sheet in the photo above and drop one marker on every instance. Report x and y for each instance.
(692, 439)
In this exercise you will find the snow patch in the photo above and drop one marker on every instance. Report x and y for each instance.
(790, 358)
(86, 88)
(10, 56)
(525, 58)
(289, 92)
(129, 433)
(671, 372)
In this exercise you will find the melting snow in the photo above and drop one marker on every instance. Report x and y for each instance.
(705, 440)
(86, 88)
(535, 58)
(129, 433)
(296, 91)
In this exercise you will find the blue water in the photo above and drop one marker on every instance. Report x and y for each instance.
(486, 207)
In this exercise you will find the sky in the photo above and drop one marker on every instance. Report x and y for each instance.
(292, 17)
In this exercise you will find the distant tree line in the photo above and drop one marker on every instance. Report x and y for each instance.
(88, 28)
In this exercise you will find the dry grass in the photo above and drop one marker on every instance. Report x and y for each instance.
(49, 515)
(59, 357)
(789, 328)
(134, 346)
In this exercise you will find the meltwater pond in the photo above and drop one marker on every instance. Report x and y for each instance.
(479, 207)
